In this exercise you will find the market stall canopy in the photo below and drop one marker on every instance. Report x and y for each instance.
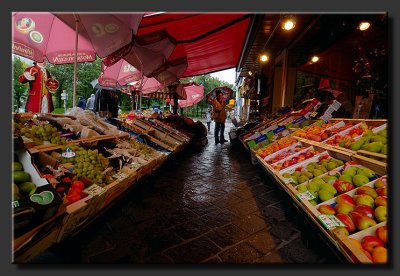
(210, 41)
(40, 35)
(194, 94)
(170, 71)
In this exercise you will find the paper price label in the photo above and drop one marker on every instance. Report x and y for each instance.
(15, 204)
(305, 196)
(336, 105)
(94, 190)
(119, 175)
(330, 221)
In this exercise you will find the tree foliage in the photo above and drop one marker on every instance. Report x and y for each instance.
(19, 89)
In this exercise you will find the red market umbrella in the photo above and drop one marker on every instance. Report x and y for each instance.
(146, 52)
(119, 74)
(226, 92)
(42, 35)
(171, 71)
(71, 37)
(194, 94)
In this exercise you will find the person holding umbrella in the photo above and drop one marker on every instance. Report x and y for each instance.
(219, 116)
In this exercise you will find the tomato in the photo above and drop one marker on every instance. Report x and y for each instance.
(78, 184)
(74, 190)
(73, 197)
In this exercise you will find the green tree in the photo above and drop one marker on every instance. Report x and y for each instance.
(64, 73)
(20, 90)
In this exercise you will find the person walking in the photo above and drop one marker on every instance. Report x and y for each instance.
(219, 116)
(90, 103)
(208, 118)
(81, 102)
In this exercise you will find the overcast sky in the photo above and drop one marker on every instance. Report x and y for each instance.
(226, 75)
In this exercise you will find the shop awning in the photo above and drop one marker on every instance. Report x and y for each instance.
(210, 41)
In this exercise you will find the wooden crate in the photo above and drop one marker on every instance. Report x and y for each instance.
(357, 254)
(379, 167)
(371, 155)
(370, 122)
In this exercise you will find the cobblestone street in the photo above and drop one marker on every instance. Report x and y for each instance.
(209, 206)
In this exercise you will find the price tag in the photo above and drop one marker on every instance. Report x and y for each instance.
(94, 190)
(15, 204)
(330, 221)
(119, 175)
(336, 105)
(305, 196)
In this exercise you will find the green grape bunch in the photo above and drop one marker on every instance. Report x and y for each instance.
(88, 163)
(43, 134)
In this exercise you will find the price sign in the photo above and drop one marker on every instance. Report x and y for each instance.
(15, 204)
(119, 175)
(94, 190)
(330, 221)
(305, 196)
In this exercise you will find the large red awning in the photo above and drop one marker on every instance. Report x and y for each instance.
(210, 41)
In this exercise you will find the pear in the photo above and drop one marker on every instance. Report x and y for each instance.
(302, 188)
(382, 133)
(346, 177)
(328, 187)
(352, 171)
(317, 172)
(360, 180)
(374, 146)
(367, 172)
(325, 195)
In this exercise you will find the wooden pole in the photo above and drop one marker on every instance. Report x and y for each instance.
(75, 61)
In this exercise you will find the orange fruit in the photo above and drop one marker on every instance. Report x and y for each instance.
(379, 255)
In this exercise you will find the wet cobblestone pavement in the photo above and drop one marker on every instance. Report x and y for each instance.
(209, 206)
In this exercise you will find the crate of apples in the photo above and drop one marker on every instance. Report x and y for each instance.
(360, 209)
(295, 159)
(372, 243)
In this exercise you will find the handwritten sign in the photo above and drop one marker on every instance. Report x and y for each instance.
(94, 190)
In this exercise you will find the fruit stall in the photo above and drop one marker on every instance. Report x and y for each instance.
(68, 169)
(335, 171)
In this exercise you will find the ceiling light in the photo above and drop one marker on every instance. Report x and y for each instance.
(288, 23)
(314, 59)
(250, 73)
(264, 58)
(364, 26)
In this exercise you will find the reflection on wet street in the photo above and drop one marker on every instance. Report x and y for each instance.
(209, 206)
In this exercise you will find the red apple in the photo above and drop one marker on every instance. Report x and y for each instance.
(364, 200)
(362, 222)
(347, 221)
(365, 210)
(382, 191)
(381, 233)
(365, 190)
(370, 242)
(343, 208)
(345, 199)
(326, 209)
(381, 213)
(381, 201)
